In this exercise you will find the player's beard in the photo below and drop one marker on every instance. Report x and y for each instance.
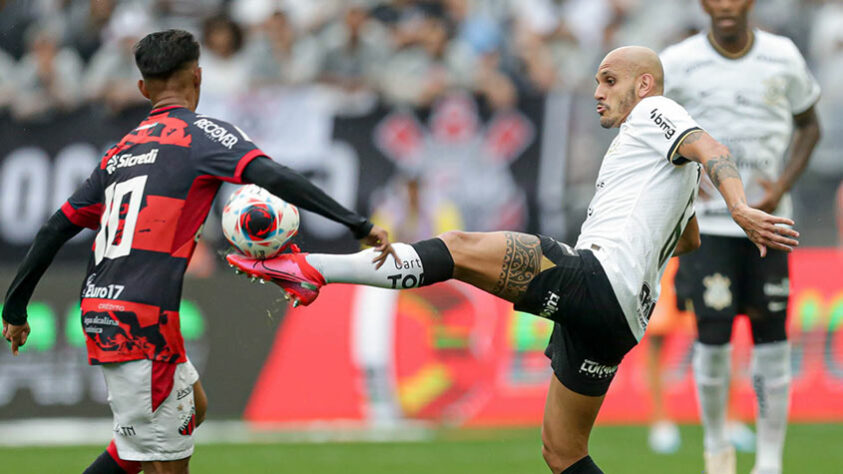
(624, 107)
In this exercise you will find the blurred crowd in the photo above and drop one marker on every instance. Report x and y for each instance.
(58, 54)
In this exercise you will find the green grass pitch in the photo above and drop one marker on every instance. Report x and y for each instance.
(812, 449)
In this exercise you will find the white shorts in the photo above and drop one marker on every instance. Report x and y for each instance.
(153, 407)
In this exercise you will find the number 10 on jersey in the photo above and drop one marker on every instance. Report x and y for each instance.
(117, 224)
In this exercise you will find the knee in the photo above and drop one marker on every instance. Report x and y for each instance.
(560, 455)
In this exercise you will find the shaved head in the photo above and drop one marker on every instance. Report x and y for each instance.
(625, 76)
(637, 61)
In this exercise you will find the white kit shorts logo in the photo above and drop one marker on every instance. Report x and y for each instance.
(127, 160)
(717, 293)
(597, 370)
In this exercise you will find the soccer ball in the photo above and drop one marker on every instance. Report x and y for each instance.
(257, 223)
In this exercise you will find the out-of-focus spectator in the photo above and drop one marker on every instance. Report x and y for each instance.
(86, 23)
(48, 77)
(111, 77)
(278, 55)
(427, 65)
(7, 85)
(481, 35)
(559, 42)
(224, 67)
(181, 14)
(356, 46)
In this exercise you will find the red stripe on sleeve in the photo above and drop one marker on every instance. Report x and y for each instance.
(241, 165)
(88, 216)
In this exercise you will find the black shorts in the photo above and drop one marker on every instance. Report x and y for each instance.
(727, 277)
(590, 334)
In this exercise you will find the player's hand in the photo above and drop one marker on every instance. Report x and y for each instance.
(764, 230)
(772, 195)
(16, 334)
(379, 239)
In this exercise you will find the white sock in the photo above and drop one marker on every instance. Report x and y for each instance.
(771, 380)
(358, 268)
(712, 371)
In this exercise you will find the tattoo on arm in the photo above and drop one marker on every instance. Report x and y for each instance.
(521, 263)
(721, 168)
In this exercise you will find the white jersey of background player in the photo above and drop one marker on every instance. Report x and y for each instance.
(747, 105)
(644, 189)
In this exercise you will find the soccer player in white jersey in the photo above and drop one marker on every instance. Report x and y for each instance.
(747, 88)
(600, 293)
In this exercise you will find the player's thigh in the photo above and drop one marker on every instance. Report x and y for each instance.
(154, 409)
(200, 399)
(502, 263)
(566, 427)
(766, 296)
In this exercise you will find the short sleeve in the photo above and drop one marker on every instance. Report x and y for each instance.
(803, 91)
(221, 149)
(84, 207)
(662, 124)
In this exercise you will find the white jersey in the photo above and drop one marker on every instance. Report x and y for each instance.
(645, 197)
(747, 104)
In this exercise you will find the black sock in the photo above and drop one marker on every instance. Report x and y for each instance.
(583, 466)
(436, 260)
(104, 464)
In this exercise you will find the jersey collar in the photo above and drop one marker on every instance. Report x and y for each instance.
(164, 109)
(722, 52)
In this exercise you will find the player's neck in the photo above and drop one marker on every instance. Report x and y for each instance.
(732, 47)
(171, 100)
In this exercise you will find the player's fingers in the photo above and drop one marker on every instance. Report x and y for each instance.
(781, 247)
(14, 346)
(23, 337)
(394, 254)
(380, 260)
(786, 231)
(762, 249)
(781, 240)
(779, 220)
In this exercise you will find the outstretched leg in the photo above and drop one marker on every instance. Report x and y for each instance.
(502, 263)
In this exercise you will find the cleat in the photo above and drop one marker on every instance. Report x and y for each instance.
(253, 278)
(299, 280)
(262, 281)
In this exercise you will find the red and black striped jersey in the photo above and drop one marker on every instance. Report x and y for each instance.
(147, 200)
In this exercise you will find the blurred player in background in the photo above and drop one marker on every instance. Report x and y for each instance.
(147, 201)
(601, 293)
(752, 91)
(667, 319)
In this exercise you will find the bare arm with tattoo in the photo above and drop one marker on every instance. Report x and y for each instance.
(717, 161)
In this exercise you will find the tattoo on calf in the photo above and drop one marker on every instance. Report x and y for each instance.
(521, 263)
(721, 168)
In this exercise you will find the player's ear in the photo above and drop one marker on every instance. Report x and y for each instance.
(197, 76)
(142, 88)
(646, 84)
